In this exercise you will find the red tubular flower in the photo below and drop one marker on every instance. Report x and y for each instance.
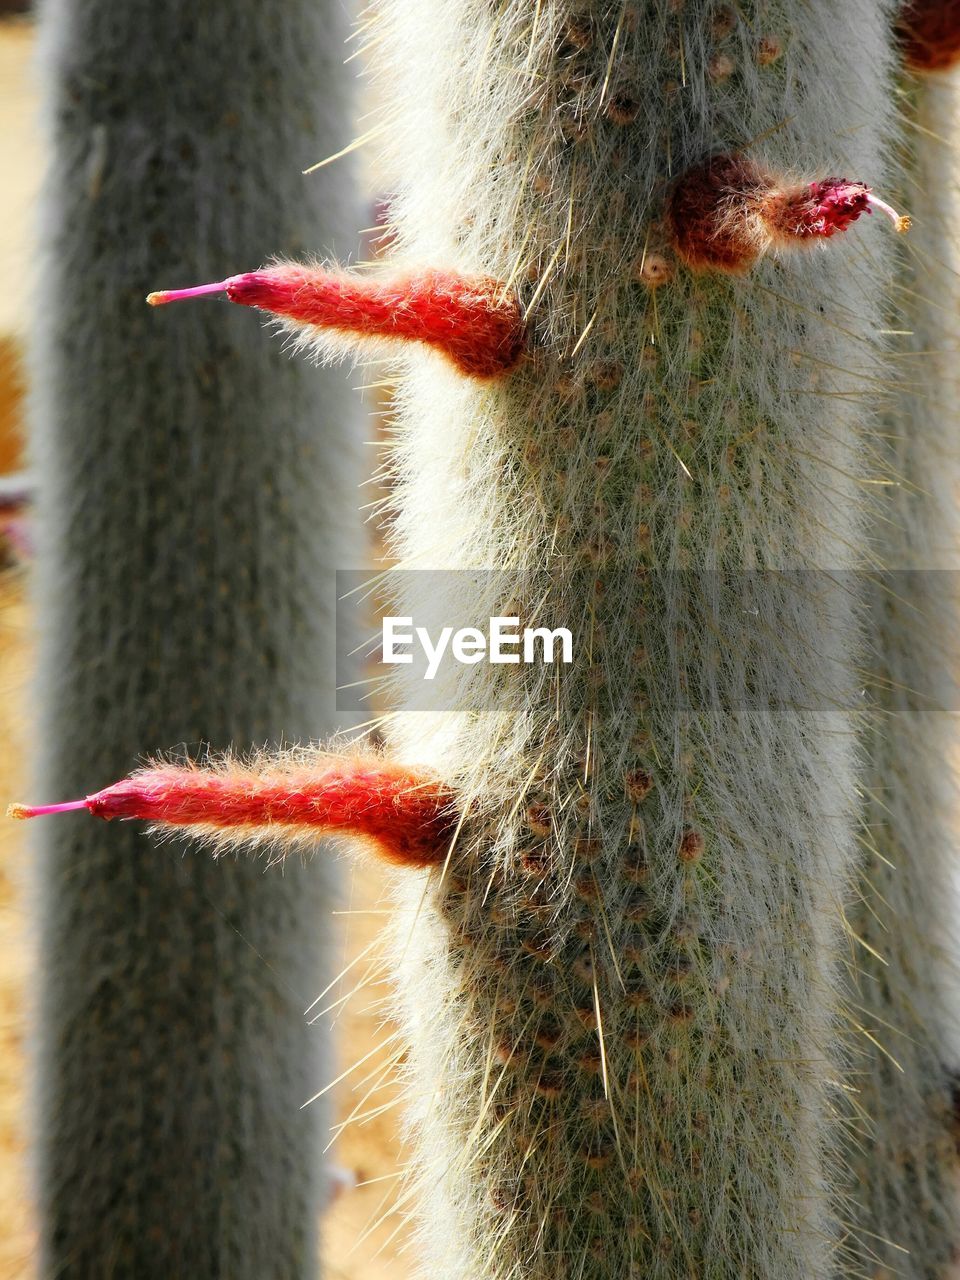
(470, 319)
(726, 212)
(406, 814)
(929, 33)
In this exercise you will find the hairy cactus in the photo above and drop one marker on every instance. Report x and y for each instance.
(903, 1149)
(633, 950)
(195, 497)
(620, 972)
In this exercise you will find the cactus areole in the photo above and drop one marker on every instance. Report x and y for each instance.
(619, 978)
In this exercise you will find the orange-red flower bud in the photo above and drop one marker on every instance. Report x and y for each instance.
(929, 32)
(405, 813)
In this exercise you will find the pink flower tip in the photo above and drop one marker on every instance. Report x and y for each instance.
(837, 203)
(160, 297)
(41, 810)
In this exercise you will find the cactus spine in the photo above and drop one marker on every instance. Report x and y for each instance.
(904, 1138)
(620, 993)
(192, 512)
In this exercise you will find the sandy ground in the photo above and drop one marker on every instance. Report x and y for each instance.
(16, 961)
(20, 165)
(363, 1239)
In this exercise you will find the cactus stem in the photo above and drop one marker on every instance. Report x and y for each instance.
(473, 321)
(405, 814)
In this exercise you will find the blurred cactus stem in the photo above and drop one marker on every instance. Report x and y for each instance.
(195, 494)
(903, 1013)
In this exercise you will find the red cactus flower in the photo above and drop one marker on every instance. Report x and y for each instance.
(726, 212)
(406, 814)
(929, 33)
(16, 497)
(822, 209)
(472, 320)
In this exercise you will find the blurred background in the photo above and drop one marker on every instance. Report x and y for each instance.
(364, 1230)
